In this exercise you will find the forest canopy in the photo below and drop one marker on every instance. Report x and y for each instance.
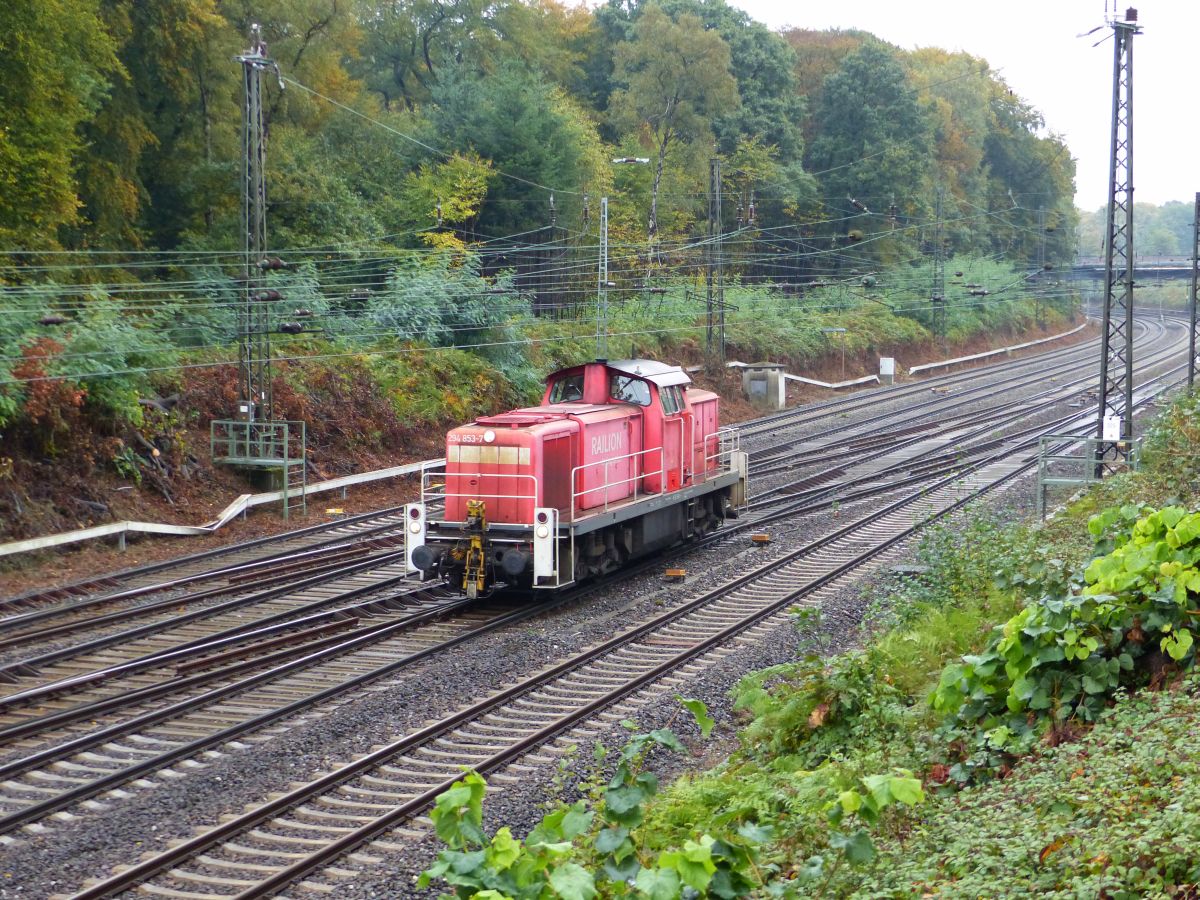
(120, 125)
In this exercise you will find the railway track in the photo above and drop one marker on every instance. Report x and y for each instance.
(329, 656)
(938, 443)
(304, 835)
(198, 567)
(170, 575)
(131, 728)
(74, 748)
(872, 397)
(934, 412)
(170, 628)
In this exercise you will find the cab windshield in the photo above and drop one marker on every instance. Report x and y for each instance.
(625, 389)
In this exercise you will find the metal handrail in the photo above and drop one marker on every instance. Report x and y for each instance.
(661, 472)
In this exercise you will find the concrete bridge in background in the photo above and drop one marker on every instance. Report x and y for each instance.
(1146, 268)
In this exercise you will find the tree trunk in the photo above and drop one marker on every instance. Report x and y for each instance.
(658, 169)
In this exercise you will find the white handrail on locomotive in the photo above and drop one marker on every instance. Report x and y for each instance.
(725, 441)
(717, 463)
(635, 478)
(728, 441)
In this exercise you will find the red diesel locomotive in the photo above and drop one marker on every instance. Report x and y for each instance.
(619, 460)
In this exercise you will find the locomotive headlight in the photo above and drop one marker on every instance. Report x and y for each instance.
(489, 436)
(542, 531)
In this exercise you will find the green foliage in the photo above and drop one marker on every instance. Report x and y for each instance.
(868, 109)
(106, 353)
(440, 299)
(107, 140)
(100, 350)
(811, 710)
(55, 61)
(1106, 816)
(525, 127)
(591, 848)
(1061, 658)
(1162, 230)
(674, 78)
(432, 388)
(763, 65)
(1171, 448)
(847, 770)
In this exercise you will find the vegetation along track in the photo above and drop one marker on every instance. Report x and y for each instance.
(308, 832)
(222, 561)
(153, 735)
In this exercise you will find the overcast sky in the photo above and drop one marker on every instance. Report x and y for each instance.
(1035, 49)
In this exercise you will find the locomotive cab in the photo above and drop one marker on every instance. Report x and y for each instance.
(620, 459)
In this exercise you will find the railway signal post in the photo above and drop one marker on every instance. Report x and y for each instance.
(937, 289)
(714, 281)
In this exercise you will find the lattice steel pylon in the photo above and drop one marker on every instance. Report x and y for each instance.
(254, 348)
(1192, 335)
(937, 288)
(1114, 425)
(602, 285)
(713, 262)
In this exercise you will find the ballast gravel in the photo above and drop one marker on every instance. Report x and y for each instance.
(61, 855)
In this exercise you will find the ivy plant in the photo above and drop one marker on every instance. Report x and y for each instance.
(1129, 621)
(586, 849)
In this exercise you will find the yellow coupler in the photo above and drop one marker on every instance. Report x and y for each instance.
(475, 571)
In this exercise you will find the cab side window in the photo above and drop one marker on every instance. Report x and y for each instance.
(672, 399)
(567, 389)
(625, 389)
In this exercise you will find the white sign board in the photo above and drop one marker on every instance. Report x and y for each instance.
(1112, 428)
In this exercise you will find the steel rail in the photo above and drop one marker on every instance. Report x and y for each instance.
(200, 843)
(1029, 406)
(282, 618)
(960, 398)
(113, 579)
(76, 588)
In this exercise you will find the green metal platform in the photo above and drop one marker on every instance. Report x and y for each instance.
(275, 446)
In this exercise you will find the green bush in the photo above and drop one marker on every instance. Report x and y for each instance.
(1110, 815)
(1059, 660)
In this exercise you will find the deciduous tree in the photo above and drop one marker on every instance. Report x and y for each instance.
(56, 62)
(675, 79)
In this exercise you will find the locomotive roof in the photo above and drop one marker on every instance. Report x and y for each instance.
(652, 370)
